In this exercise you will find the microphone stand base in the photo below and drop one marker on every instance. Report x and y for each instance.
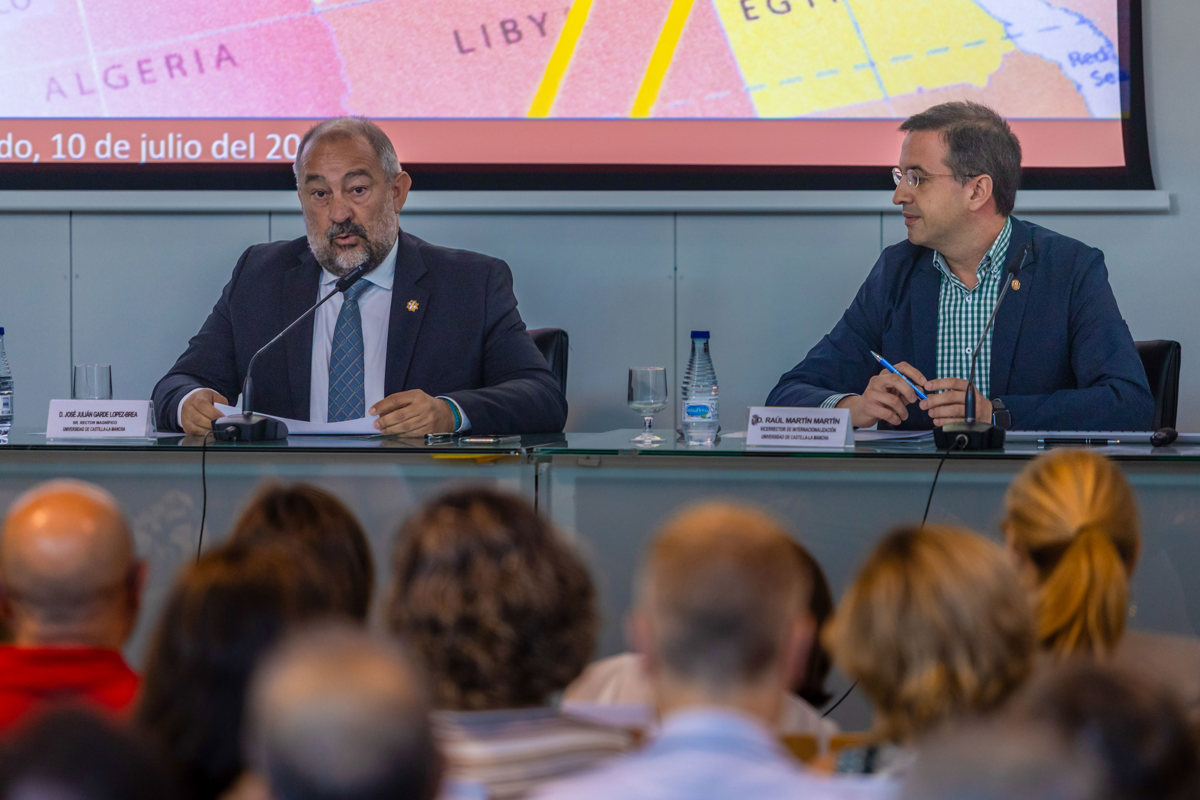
(248, 428)
(968, 436)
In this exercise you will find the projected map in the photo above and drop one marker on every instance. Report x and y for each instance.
(516, 58)
(543, 59)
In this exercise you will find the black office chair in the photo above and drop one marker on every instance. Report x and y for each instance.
(553, 344)
(1161, 359)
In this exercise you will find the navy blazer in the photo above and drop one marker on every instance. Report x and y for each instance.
(1062, 356)
(463, 339)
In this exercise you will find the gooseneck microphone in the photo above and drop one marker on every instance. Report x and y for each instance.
(969, 434)
(248, 427)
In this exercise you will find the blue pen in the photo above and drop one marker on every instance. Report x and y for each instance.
(890, 368)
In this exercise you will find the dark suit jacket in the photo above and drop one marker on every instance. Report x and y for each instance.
(1062, 356)
(465, 340)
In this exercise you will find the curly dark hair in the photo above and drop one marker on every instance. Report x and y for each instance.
(498, 603)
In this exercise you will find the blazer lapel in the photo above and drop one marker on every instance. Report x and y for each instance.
(300, 286)
(1012, 310)
(925, 288)
(409, 303)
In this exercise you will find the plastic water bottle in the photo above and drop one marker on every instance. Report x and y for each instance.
(700, 416)
(6, 389)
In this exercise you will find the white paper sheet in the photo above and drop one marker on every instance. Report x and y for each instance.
(302, 427)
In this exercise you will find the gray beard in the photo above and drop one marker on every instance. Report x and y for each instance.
(342, 263)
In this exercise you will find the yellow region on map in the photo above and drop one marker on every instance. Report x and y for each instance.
(798, 58)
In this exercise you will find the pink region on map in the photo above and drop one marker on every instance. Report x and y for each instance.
(24, 94)
(704, 79)
(262, 72)
(124, 24)
(610, 59)
(446, 61)
(39, 37)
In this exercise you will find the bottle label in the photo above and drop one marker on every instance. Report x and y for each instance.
(699, 411)
(6, 405)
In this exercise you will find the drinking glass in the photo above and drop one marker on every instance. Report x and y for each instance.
(92, 382)
(648, 396)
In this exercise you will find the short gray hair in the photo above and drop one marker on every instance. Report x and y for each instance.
(334, 713)
(350, 128)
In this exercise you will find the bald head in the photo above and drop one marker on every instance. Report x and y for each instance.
(67, 566)
(336, 714)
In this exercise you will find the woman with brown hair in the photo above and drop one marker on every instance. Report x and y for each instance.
(305, 516)
(935, 628)
(224, 611)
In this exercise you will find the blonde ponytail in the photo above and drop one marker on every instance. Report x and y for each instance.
(1072, 516)
(1081, 603)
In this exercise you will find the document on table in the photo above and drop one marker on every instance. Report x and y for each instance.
(871, 435)
(302, 427)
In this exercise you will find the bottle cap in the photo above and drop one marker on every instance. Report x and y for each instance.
(700, 334)
(1, 330)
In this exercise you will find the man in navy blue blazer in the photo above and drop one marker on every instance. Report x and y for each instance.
(442, 346)
(1060, 356)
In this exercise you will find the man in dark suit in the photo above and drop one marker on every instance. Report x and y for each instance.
(429, 340)
(1060, 357)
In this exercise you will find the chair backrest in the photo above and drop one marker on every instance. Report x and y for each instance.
(1161, 360)
(553, 344)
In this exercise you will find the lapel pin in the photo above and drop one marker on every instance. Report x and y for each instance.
(1016, 286)
(413, 305)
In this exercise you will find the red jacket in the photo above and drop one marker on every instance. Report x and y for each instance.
(31, 677)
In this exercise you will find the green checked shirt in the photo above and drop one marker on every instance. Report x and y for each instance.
(962, 313)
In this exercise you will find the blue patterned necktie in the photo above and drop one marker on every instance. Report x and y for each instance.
(346, 359)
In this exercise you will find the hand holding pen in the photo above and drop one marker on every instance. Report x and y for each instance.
(887, 395)
(895, 371)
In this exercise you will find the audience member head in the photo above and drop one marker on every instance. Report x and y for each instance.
(1133, 727)
(935, 628)
(499, 605)
(1071, 518)
(334, 714)
(719, 610)
(978, 142)
(1003, 760)
(814, 668)
(68, 568)
(222, 614)
(314, 519)
(71, 753)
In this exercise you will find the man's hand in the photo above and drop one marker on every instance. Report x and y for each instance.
(950, 402)
(412, 413)
(886, 398)
(198, 411)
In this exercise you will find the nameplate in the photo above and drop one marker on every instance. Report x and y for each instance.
(100, 419)
(800, 428)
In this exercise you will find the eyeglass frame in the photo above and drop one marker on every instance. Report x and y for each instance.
(913, 178)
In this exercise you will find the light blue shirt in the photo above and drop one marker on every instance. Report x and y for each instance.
(375, 309)
(701, 753)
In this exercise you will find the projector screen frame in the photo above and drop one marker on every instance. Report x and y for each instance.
(1137, 174)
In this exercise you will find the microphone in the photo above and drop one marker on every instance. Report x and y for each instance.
(969, 434)
(247, 427)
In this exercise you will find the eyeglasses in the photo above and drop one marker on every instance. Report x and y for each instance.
(914, 178)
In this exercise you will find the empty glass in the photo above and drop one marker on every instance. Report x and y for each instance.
(92, 382)
(647, 396)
